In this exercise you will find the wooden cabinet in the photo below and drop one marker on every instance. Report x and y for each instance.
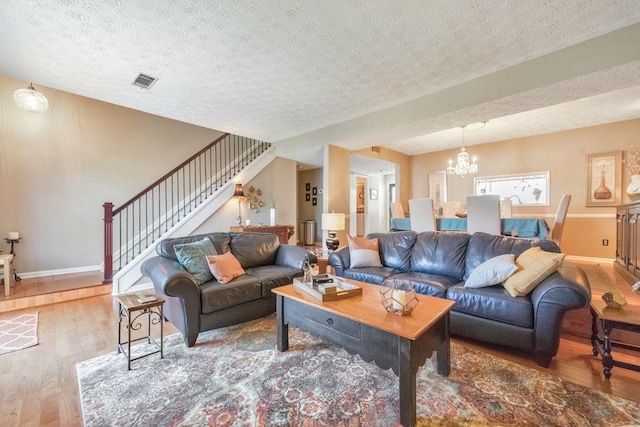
(284, 232)
(628, 241)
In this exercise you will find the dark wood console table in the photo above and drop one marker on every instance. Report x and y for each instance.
(284, 232)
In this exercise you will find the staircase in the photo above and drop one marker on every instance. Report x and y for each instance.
(176, 205)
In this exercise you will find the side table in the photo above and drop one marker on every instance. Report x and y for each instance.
(6, 260)
(131, 308)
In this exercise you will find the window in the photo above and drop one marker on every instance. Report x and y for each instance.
(530, 189)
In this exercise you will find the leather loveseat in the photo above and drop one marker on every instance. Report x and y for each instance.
(438, 263)
(194, 308)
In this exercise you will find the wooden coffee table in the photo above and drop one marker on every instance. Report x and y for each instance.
(360, 324)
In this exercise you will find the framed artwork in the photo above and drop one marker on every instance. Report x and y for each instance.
(315, 191)
(307, 186)
(314, 201)
(438, 187)
(307, 197)
(373, 194)
(604, 179)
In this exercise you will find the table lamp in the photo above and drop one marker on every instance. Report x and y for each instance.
(332, 222)
(239, 194)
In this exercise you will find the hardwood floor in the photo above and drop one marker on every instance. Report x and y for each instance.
(38, 385)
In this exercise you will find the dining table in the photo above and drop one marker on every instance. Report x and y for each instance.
(520, 227)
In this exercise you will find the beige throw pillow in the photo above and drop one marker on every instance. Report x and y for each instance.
(224, 267)
(363, 252)
(534, 265)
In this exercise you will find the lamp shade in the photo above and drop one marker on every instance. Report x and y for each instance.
(333, 221)
(31, 100)
(238, 191)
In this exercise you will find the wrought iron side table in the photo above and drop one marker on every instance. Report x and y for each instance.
(131, 308)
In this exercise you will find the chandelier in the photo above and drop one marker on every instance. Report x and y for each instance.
(462, 166)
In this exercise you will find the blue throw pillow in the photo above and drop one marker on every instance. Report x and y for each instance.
(491, 272)
(193, 257)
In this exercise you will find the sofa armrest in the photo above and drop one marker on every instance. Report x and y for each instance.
(293, 256)
(181, 294)
(340, 260)
(566, 289)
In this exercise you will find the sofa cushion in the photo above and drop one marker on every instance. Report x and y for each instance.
(483, 246)
(216, 296)
(193, 257)
(375, 275)
(165, 247)
(363, 252)
(440, 253)
(534, 265)
(254, 249)
(492, 272)
(224, 267)
(272, 276)
(433, 285)
(493, 303)
(395, 248)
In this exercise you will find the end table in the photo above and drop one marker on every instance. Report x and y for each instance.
(131, 308)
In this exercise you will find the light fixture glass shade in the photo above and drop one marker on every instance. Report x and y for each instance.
(333, 221)
(31, 100)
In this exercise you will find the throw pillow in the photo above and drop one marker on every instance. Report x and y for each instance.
(534, 265)
(193, 257)
(225, 267)
(363, 252)
(492, 271)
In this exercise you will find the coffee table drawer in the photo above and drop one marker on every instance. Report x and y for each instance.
(322, 320)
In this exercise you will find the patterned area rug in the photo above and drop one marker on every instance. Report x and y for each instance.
(235, 377)
(18, 332)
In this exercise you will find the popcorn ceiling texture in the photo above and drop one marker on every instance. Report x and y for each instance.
(280, 68)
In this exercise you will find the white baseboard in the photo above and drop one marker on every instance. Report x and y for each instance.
(593, 260)
(60, 271)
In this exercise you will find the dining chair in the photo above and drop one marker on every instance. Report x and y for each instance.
(397, 211)
(422, 217)
(506, 207)
(483, 214)
(558, 222)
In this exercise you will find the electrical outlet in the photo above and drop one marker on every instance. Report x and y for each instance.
(605, 242)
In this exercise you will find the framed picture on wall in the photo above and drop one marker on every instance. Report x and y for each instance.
(438, 187)
(314, 201)
(373, 194)
(307, 186)
(604, 179)
(307, 197)
(315, 191)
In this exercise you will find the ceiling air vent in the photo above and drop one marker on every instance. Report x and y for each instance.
(375, 149)
(144, 81)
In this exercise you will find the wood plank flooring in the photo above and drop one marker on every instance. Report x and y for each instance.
(38, 385)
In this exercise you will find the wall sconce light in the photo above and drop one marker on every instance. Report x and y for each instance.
(332, 222)
(239, 194)
(31, 100)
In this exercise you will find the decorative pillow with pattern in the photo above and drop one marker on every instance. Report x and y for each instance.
(363, 252)
(225, 267)
(534, 265)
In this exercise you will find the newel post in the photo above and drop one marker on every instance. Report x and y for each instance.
(108, 242)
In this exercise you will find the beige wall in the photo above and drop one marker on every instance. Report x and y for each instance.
(337, 187)
(58, 168)
(564, 155)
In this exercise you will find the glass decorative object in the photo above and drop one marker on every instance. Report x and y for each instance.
(633, 189)
(398, 297)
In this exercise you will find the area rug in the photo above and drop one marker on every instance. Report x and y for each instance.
(235, 377)
(18, 332)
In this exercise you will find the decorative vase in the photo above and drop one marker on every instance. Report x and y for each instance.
(633, 189)
(398, 297)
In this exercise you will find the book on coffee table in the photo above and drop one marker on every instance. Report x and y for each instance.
(329, 291)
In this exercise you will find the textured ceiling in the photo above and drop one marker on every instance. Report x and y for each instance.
(282, 69)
